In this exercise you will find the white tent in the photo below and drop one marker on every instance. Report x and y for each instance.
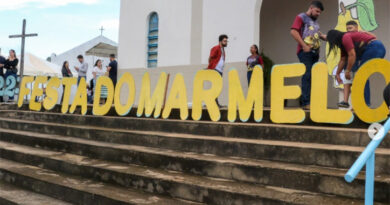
(34, 66)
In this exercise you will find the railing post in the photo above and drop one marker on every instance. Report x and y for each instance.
(370, 181)
(367, 157)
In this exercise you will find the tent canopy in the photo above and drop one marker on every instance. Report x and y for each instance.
(34, 66)
(102, 50)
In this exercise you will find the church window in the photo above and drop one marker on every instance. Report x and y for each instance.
(153, 40)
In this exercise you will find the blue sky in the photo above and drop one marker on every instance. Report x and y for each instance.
(60, 24)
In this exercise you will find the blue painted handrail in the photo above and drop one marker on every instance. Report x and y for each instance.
(368, 158)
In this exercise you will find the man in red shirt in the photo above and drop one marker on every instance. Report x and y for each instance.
(353, 26)
(306, 31)
(217, 55)
(354, 46)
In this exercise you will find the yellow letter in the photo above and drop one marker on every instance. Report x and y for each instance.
(120, 109)
(80, 99)
(107, 82)
(37, 92)
(68, 83)
(279, 93)
(364, 112)
(157, 100)
(207, 96)
(319, 111)
(23, 89)
(51, 93)
(254, 99)
(177, 98)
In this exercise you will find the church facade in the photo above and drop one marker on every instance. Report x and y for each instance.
(186, 30)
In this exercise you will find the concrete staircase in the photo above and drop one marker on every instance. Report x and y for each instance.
(50, 158)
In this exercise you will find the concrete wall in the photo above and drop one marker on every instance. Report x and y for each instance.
(234, 18)
(174, 32)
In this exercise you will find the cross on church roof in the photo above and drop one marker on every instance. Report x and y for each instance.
(101, 31)
(23, 37)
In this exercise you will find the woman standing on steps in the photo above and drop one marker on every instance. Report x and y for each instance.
(66, 73)
(97, 72)
(11, 67)
(253, 60)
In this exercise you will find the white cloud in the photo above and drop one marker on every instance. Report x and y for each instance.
(18, 4)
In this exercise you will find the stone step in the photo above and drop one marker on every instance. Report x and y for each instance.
(12, 195)
(175, 114)
(75, 189)
(295, 133)
(175, 184)
(313, 178)
(222, 146)
(338, 156)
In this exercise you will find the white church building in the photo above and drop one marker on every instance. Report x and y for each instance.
(177, 35)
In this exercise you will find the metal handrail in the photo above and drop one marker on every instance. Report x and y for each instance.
(368, 158)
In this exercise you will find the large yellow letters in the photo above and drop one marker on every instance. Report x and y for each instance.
(103, 109)
(319, 111)
(37, 92)
(120, 109)
(51, 93)
(23, 89)
(177, 98)
(68, 83)
(207, 96)
(364, 112)
(279, 93)
(156, 102)
(80, 99)
(254, 99)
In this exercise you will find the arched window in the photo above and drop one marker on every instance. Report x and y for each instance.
(153, 40)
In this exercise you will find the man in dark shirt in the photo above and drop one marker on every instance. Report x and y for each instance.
(2, 62)
(113, 69)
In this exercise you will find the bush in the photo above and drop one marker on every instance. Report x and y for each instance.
(268, 64)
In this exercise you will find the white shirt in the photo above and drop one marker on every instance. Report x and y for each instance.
(221, 63)
(99, 72)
